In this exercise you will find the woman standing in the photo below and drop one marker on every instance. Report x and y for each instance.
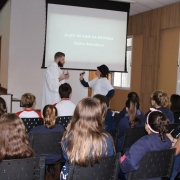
(99, 85)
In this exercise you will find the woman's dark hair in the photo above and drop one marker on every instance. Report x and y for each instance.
(175, 102)
(133, 106)
(158, 122)
(2, 103)
(3, 108)
(133, 95)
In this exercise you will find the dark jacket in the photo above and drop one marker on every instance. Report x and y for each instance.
(150, 142)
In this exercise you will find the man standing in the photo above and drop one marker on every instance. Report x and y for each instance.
(54, 77)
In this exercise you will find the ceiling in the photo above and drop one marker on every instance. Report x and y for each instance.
(135, 8)
(147, 5)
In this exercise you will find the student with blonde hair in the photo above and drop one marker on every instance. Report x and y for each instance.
(14, 141)
(49, 117)
(27, 101)
(85, 141)
(160, 101)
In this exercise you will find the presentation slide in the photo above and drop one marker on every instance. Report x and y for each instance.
(88, 37)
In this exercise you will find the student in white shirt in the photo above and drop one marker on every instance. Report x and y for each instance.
(65, 107)
(101, 84)
(27, 101)
(53, 78)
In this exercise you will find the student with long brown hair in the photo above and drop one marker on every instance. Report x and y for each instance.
(14, 141)
(85, 141)
(160, 101)
(132, 119)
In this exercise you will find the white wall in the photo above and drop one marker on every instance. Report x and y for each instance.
(4, 33)
(26, 52)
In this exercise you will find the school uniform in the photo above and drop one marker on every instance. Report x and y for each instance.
(177, 117)
(65, 169)
(167, 112)
(99, 86)
(29, 114)
(65, 108)
(124, 124)
(150, 142)
(51, 158)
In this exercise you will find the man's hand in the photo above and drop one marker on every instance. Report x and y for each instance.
(67, 75)
(63, 76)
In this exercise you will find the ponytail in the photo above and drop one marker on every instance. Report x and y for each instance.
(49, 114)
(133, 106)
(161, 98)
(158, 123)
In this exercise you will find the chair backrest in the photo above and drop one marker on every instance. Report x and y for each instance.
(177, 117)
(155, 164)
(107, 168)
(30, 123)
(175, 127)
(26, 169)
(114, 133)
(63, 120)
(131, 135)
(46, 142)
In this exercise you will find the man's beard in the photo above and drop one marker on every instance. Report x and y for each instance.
(60, 64)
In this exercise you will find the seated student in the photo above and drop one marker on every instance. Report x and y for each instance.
(175, 107)
(131, 95)
(160, 101)
(156, 127)
(3, 108)
(14, 141)
(65, 107)
(49, 117)
(85, 141)
(134, 118)
(177, 159)
(109, 121)
(27, 101)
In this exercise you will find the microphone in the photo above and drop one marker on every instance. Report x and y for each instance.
(82, 73)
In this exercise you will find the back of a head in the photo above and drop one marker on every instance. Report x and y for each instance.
(65, 90)
(14, 140)
(175, 103)
(133, 95)
(158, 123)
(104, 102)
(161, 98)
(49, 116)
(27, 100)
(85, 133)
(3, 108)
(58, 55)
(133, 106)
